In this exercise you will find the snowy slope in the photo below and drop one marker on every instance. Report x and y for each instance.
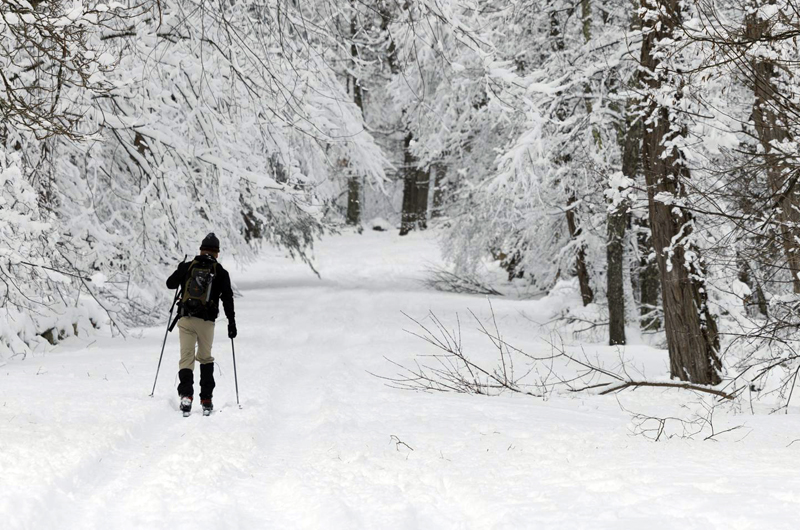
(321, 444)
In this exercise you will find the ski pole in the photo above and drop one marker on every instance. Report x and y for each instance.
(235, 377)
(169, 328)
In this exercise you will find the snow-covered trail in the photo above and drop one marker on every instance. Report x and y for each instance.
(321, 444)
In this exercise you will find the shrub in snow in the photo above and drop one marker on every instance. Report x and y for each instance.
(450, 282)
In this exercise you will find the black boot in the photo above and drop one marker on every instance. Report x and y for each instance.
(186, 406)
(186, 383)
(207, 381)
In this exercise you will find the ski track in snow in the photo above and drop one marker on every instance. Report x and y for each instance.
(320, 443)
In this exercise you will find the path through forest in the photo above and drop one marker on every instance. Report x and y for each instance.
(321, 444)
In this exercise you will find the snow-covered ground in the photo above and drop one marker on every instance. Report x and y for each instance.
(320, 443)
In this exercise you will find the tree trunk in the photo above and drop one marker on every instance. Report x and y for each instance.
(649, 281)
(415, 192)
(440, 183)
(353, 201)
(759, 306)
(614, 276)
(385, 12)
(433, 191)
(771, 126)
(617, 223)
(586, 19)
(692, 336)
(354, 183)
(414, 213)
(629, 135)
(408, 219)
(587, 296)
(581, 270)
(423, 179)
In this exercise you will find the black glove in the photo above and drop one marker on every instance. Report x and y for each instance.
(232, 329)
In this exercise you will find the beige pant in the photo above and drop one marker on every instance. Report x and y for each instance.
(195, 331)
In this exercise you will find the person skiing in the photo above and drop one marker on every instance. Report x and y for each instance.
(203, 283)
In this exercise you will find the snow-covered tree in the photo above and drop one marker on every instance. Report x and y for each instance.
(521, 105)
(159, 124)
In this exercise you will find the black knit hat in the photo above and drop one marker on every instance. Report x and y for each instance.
(210, 243)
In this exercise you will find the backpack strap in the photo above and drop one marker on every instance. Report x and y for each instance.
(211, 283)
(184, 294)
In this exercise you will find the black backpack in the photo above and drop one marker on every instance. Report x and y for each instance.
(196, 299)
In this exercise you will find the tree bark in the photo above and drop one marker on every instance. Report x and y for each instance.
(586, 19)
(759, 306)
(691, 330)
(617, 218)
(649, 281)
(353, 217)
(414, 213)
(771, 126)
(582, 271)
(408, 216)
(629, 135)
(617, 222)
(433, 191)
(353, 201)
(440, 183)
(415, 192)
(423, 182)
(614, 275)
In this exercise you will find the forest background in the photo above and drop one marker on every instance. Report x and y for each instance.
(643, 152)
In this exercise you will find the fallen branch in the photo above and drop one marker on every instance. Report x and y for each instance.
(398, 442)
(450, 282)
(453, 370)
(684, 386)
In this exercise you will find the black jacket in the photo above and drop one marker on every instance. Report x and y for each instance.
(220, 288)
